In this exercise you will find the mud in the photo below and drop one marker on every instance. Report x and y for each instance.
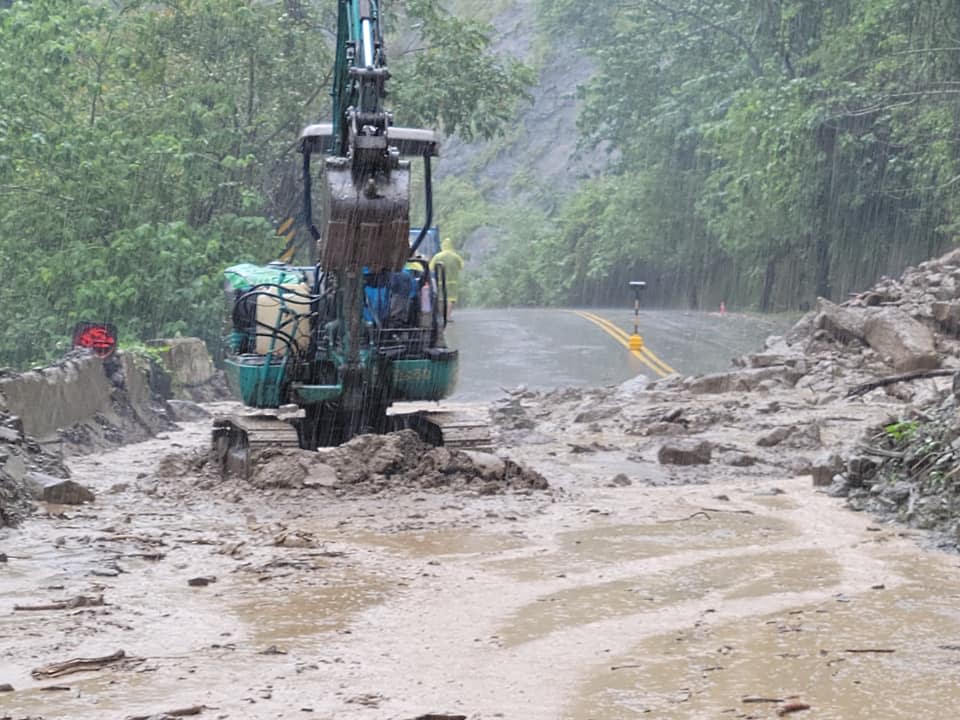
(399, 462)
(590, 575)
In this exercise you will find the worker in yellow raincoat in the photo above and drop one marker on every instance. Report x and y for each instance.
(453, 265)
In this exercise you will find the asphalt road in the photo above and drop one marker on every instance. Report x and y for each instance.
(546, 348)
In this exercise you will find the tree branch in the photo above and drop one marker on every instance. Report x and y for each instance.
(752, 58)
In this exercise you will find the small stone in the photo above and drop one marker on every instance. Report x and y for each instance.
(66, 492)
(776, 437)
(742, 460)
(686, 453)
(621, 480)
(6, 687)
(201, 581)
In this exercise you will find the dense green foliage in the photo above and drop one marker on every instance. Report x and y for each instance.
(762, 152)
(145, 146)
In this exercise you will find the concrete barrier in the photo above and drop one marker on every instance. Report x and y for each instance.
(46, 400)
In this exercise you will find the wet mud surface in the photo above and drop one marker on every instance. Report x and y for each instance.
(688, 592)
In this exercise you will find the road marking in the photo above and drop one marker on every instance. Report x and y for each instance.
(645, 356)
(648, 353)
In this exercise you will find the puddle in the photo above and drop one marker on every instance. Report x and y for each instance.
(741, 576)
(705, 671)
(292, 618)
(584, 550)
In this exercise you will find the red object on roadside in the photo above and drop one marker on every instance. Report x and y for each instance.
(101, 338)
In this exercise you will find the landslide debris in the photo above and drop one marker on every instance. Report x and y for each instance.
(907, 469)
(370, 465)
(785, 406)
(21, 457)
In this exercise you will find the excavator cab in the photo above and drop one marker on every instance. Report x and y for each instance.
(362, 328)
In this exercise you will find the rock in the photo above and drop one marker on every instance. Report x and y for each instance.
(897, 493)
(59, 491)
(742, 380)
(842, 324)
(596, 414)
(741, 460)
(685, 453)
(6, 687)
(947, 314)
(187, 361)
(777, 436)
(201, 581)
(658, 429)
(321, 475)
(631, 388)
(861, 469)
(621, 480)
(824, 468)
(806, 437)
(9, 435)
(187, 411)
(803, 329)
(908, 344)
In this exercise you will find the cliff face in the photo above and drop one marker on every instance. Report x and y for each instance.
(537, 159)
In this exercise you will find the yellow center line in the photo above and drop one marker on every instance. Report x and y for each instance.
(621, 338)
(611, 328)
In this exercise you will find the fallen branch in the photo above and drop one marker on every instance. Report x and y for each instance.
(749, 699)
(858, 390)
(725, 510)
(871, 650)
(77, 665)
(792, 707)
(625, 667)
(72, 603)
(684, 519)
(182, 712)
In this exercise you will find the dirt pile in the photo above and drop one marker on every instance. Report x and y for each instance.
(372, 464)
(20, 457)
(367, 465)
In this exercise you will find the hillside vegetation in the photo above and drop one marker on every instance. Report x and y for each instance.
(761, 153)
(146, 146)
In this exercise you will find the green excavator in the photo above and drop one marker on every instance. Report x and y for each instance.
(320, 352)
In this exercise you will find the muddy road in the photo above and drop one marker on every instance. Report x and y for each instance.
(629, 588)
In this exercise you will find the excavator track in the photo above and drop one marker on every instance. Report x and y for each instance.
(237, 437)
(461, 426)
(458, 426)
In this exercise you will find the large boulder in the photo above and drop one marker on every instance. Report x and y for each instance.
(843, 324)
(742, 380)
(906, 343)
(187, 361)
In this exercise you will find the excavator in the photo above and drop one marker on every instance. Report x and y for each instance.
(319, 352)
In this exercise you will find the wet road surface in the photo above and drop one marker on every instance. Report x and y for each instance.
(593, 602)
(547, 348)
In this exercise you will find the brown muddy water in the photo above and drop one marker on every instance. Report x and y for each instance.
(727, 600)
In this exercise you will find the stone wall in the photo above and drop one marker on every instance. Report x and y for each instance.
(72, 391)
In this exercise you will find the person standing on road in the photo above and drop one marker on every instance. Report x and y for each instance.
(452, 264)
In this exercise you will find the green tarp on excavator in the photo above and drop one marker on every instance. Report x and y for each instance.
(247, 275)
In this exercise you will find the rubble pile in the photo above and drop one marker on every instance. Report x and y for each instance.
(908, 469)
(370, 464)
(22, 462)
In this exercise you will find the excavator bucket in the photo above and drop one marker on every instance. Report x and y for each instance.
(366, 226)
